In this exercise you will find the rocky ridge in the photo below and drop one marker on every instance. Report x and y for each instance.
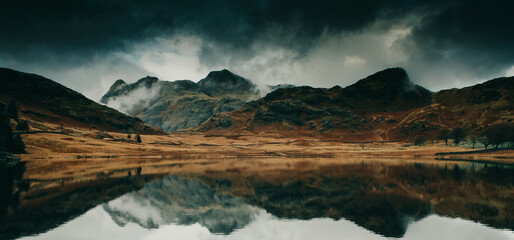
(382, 106)
(182, 104)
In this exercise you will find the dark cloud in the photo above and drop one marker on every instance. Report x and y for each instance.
(64, 27)
(468, 34)
(473, 35)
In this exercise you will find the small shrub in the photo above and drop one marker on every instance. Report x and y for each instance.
(138, 138)
(419, 141)
(102, 135)
(444, 134)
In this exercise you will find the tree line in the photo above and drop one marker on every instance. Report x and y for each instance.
(495, 135)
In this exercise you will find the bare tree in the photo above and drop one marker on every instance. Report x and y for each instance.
(444, 134)
(473, 138)
(484, 140)
(497, 134)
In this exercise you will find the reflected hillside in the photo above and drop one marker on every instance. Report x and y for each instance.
(40, 210)
(11, 184)
(384, 198)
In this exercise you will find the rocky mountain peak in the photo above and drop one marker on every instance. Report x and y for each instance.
(388, 90)
(223, 76)
(388, 78)
(117, 85)
(147, 81)
(225, 82)
(120, 87)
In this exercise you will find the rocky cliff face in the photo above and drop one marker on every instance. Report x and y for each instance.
(43, 99)
(181, 104)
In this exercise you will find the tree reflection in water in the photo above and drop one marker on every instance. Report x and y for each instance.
(383, 198)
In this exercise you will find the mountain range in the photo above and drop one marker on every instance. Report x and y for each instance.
(386, 105)
(382, 106)
(182, 104)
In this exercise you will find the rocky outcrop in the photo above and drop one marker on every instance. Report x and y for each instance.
(224, 83)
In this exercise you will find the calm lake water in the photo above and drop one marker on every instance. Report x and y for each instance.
(363, 201)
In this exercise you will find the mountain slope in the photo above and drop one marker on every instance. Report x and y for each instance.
(43, 99)
(182, 103)
(382, 106)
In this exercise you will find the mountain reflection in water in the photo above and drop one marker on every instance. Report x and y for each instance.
(367, 201)
(175, 200)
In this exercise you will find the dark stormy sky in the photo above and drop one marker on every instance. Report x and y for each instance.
(87, 45)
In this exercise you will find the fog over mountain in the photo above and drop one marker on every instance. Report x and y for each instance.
(87, 45)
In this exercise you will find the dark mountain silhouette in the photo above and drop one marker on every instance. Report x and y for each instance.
(222, 83)
(42, 99)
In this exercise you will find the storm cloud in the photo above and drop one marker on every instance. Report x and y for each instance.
(321, 43)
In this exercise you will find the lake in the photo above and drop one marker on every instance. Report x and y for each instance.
(270, 199)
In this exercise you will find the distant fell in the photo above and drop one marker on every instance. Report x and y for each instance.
(180, 104)
(42, 99)
(224, 82)
(384, 106)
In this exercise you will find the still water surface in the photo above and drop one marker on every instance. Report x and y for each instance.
(275, 199)
(184, 208)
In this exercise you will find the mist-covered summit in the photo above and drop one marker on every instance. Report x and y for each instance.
(173, 105)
